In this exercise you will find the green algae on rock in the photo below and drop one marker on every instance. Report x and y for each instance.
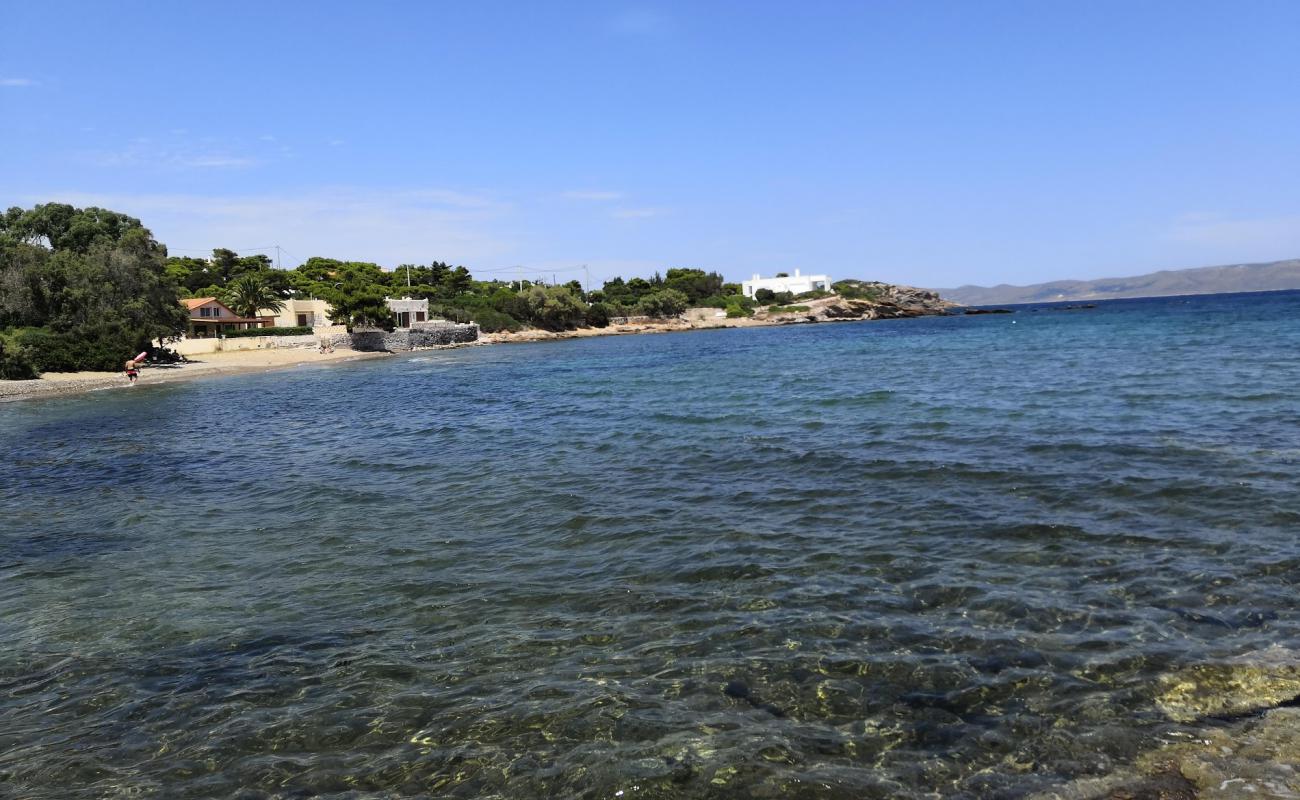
(1242, 685)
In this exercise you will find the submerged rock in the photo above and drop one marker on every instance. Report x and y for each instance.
(1246, 746)
(1247, 760)
(1242, 685)
(1253, 759)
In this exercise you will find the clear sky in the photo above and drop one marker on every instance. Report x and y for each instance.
(933, 143)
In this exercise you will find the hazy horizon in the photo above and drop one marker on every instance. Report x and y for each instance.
(939, 144)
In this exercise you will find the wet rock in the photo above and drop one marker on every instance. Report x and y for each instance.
(974, 311)
(741, 691)
(736, 689)
(1250, 683)
(1253, 759)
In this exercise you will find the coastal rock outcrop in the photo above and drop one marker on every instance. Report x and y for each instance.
(860, 300)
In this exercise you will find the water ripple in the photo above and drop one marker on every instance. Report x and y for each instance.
(901, 559)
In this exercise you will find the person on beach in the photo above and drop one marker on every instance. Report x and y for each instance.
(132, 370)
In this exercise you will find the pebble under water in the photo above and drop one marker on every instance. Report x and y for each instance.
(932, 557)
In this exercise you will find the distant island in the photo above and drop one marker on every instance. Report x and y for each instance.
(1264, 277)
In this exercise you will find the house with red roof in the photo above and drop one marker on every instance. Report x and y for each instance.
(210, 317)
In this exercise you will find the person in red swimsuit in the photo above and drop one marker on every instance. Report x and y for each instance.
(132, 370)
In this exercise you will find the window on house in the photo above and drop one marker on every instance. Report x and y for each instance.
(419, 316)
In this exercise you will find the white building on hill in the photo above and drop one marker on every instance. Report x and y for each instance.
(795, 284)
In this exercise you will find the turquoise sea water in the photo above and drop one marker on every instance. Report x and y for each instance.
(936, 556)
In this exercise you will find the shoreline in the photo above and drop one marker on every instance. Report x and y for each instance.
(242, 362)
(63, 384)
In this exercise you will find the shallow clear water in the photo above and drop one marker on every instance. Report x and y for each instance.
(882, 559)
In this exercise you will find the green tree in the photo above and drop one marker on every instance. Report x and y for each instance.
(456, 281)
(60, 226)
(83, 288)
(598, 315)
(554, 307)
(250, 293)
(190, 273)
(663, 303)
(696, 284)
(357, 295)
(615, 291)
(636, 289)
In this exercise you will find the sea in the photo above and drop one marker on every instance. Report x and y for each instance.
(934, 557)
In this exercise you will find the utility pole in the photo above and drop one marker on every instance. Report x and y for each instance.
(586, 279)
(408, 276)
(277, 256)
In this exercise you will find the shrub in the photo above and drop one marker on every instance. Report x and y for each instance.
(15, 360)
(764, 296)
(853, 290)
(722, 300)
(102, 347)
(815, 294)
(554, 308)
(739, 306)
(492, 321)
(296, 330)
(598, 315)
(664, 303)
(451, 313)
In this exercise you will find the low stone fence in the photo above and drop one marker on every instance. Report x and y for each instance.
(428, 334)
(222, 344)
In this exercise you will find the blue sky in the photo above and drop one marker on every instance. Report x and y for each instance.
(928, 143)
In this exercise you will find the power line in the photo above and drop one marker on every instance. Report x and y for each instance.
(210, 249)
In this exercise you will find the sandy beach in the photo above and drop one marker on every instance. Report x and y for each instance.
(63, 383)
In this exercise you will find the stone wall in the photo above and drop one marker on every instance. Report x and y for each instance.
(402, 339)
(223, 344)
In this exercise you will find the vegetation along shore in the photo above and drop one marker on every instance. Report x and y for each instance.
(81, 289)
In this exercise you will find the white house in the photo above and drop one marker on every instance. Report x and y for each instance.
(795, 284)
(408, 311)
(302, 313)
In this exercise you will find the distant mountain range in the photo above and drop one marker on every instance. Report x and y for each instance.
(1274, 275)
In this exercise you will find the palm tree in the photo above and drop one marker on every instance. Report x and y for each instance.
(248, 294)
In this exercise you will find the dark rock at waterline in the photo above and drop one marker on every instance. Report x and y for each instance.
(741, 691)
(1001, 660)
(737, 689)
(974, 311)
